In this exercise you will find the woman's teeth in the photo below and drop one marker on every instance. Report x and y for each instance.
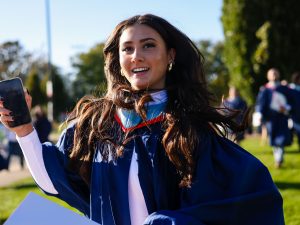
(138, 70)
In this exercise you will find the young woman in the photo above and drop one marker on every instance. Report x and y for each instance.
(151, 151)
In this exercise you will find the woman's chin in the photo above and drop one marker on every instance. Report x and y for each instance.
(139, 87)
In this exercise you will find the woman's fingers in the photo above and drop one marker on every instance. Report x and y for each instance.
(4, 111)
(4, 114)
(6, 118)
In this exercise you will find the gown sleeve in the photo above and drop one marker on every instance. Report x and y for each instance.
(230, 186)
(69, 185)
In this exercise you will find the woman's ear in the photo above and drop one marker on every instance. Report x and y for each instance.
(172, 54)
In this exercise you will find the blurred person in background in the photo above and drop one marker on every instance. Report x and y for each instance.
(14, 149)
(274, 106)
(41, 124)
(236, 103)
(295, 112)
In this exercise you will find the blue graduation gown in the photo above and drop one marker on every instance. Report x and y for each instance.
(295, 112)
(276, 123)
(237, 104)
(230, 186)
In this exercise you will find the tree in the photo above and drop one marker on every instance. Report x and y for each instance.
(279, 37)
(33, 84)
(214, 67)
(61, 98)
(90, 72)
(14, 61)
(240, 42)
(260, 35)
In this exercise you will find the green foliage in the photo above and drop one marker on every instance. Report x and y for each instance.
(239, 30)
(215, 68)
(33, 84)
(61, 98)
(260, 35)
(90, 72)
(14, 61)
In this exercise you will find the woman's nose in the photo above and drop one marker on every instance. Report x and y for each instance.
(137, 56)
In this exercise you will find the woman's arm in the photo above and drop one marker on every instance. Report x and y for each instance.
(32, 150)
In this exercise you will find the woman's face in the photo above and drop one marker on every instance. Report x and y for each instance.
(144, 57)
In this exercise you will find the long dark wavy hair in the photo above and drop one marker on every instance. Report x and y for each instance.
(188, 109)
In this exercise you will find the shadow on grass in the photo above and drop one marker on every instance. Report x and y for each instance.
(21, 186)
(264, 152)
(287, 185)
(270, 152)
(292, 152)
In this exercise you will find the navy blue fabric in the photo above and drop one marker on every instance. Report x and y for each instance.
(276, 123)
(43, 128)
(230, 185)
(295, 112)
(237, 104)
(70, 186)
(3, 162)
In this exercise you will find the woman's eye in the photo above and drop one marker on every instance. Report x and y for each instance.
(127, 49)
(149, 45)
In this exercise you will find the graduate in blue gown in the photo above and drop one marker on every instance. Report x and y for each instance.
(295, 112)
(151, 150)
(234, 102)
(273, 102)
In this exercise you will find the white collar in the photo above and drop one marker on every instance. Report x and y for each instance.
(158, 97)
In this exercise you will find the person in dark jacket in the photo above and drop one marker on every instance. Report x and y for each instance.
(41, 124)
(151, 151)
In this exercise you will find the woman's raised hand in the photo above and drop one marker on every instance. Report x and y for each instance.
(5, 117)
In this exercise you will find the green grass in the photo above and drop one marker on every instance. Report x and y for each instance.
(287, 180)
(11, 196)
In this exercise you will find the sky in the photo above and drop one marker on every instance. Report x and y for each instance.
(78, 25)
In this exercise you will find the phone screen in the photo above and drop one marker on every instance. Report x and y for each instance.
(12, 95)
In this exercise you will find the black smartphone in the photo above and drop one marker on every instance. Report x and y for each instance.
(13, 97)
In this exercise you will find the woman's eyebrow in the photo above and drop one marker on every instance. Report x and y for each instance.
(147, 39)
(142, 41)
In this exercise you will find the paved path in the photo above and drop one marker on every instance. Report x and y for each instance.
(14, 174)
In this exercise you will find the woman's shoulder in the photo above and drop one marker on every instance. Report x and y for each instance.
(230, 164)
(219, 146)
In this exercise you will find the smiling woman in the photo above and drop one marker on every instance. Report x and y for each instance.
(144, 57)
(151, 151)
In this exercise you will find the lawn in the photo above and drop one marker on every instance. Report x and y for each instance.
(11, 196)
(287, 180)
